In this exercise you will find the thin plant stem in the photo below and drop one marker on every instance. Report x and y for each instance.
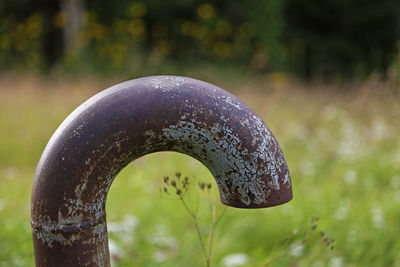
(305, 239)
(196, 226)
(213, 226)
(179, 188)
(221, 215)
(287, 238)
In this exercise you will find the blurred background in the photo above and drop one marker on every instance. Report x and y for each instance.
(324, 75)
(324, 39)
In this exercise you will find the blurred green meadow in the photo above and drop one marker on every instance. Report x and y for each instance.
(342, 147)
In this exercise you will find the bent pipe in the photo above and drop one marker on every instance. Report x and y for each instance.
(132, 119)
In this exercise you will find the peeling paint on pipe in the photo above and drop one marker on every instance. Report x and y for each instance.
(130, 120)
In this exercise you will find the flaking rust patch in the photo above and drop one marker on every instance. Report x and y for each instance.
(220, 149)
(167, 83)
(237, 170)
(65, 231)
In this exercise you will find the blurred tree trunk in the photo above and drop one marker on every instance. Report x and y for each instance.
(74, 11)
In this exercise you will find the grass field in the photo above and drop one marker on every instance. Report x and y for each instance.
(342, 146)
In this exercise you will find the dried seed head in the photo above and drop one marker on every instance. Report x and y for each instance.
(173, 183)
(166, 179)
(178, 192)
(178, 175)
(185, 182)
(202, 186)
(314, 219)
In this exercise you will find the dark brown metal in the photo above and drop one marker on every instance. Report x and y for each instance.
(132, 119)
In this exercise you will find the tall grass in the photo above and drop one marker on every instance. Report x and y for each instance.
(341, 144)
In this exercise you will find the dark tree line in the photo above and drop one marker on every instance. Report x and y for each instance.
(346, 36)
(321, 38)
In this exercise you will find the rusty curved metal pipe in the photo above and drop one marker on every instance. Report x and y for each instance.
(132, 119)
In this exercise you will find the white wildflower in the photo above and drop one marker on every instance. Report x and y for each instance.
(350, 177)
(168, 245)
(236, 259)
(395, 181)
(160, 255)
(380, 129)
(343, 210)
(350, 146)
(296, 249)
(336, 262)
(114, 249)
(127, 225)
(308, 168)
(377, 217)
(351, 236)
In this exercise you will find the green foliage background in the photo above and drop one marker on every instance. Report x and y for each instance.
(342, 149)
(325, 39)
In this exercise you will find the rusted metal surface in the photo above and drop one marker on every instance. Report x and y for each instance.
(132, 119)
